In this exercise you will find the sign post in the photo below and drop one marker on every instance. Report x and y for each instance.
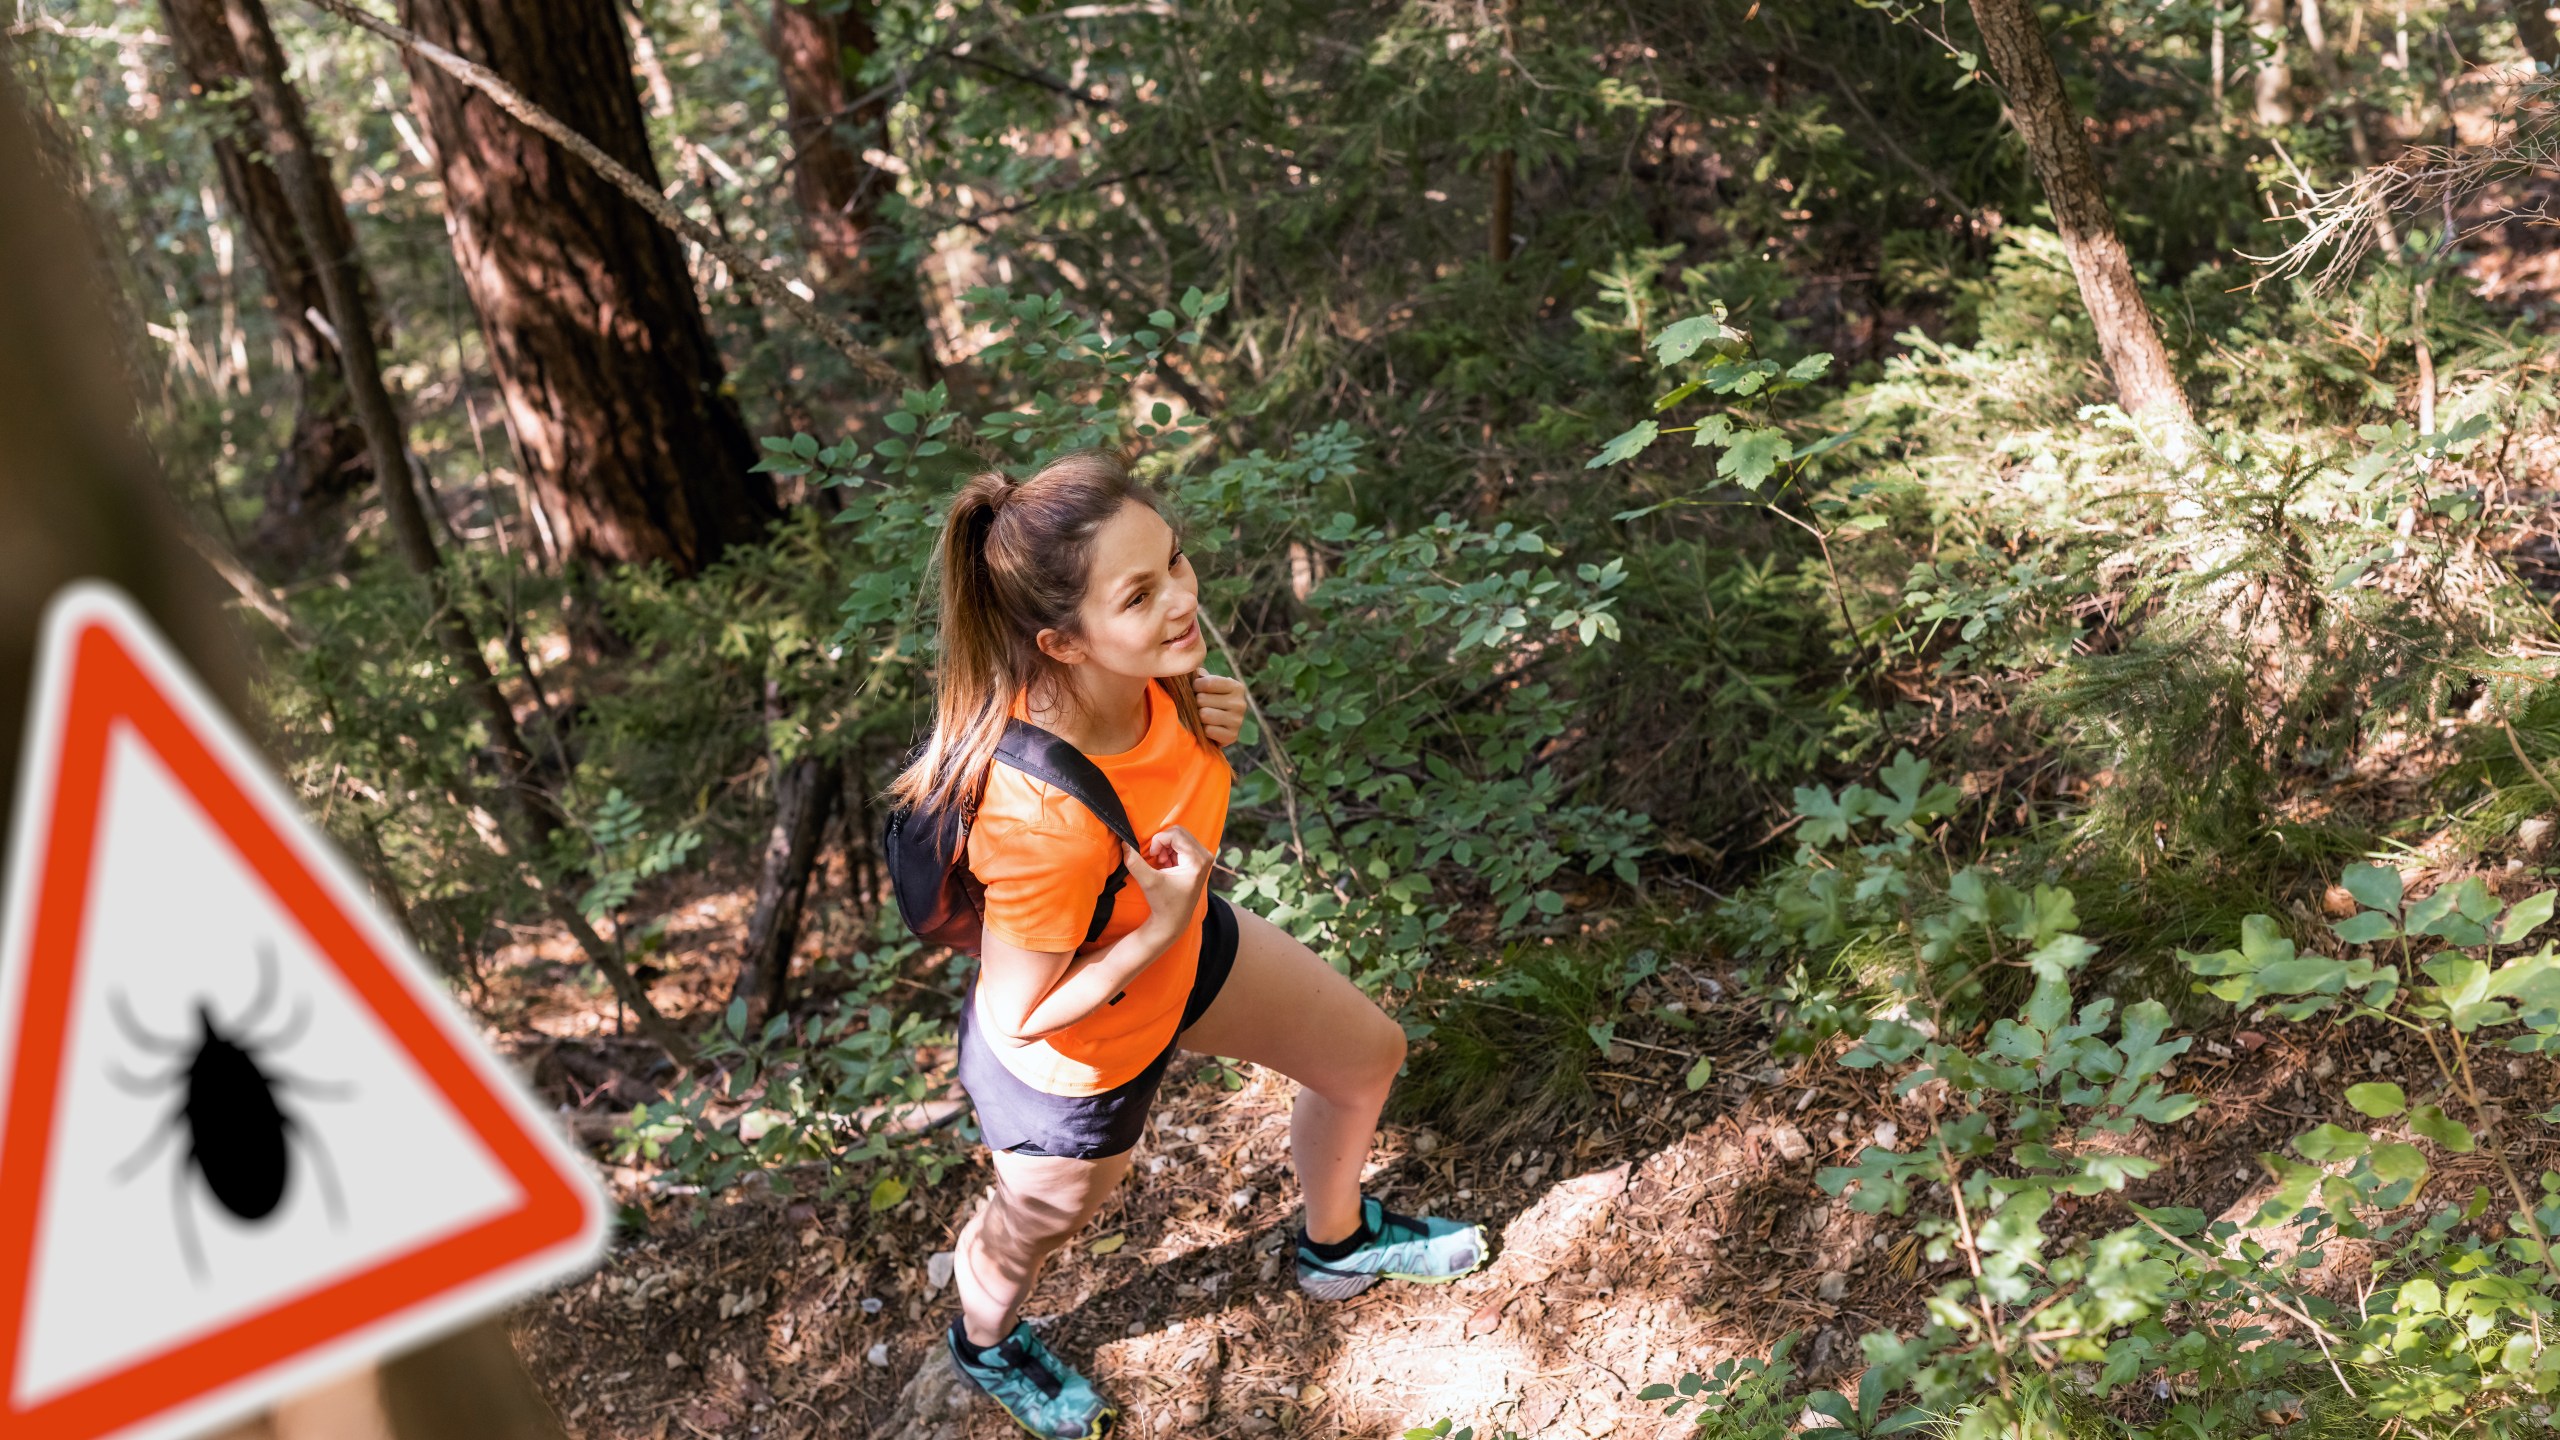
(241, 1245)
(244, 1139)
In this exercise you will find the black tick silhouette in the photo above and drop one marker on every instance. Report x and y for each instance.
(239, 1136)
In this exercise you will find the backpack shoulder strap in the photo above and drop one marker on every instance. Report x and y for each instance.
(1047, 757)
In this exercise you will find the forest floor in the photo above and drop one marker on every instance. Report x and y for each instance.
(1641, 1231)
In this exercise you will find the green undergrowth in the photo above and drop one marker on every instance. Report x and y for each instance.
(1508, 1046)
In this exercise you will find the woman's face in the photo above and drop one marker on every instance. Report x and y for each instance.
(1141, 612)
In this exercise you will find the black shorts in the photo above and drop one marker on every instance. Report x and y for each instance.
(1013, 1116)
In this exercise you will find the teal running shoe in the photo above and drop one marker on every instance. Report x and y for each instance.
(1400, 1247)
(1036, 1389)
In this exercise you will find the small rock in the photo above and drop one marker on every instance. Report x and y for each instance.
(2322, 1067)
(1534, 1175)
(1832, 1285)
(872, 1305)
(2534, 835)
(1886, 1133)
(1790, 1142)
(2379, 1061)
(878, 1355)
(674, 1361)
(937, 1269)
(1243, 1199)
(1270, 1268)
(1193, 1412)
(1424, 1142)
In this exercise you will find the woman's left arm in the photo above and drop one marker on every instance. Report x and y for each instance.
(1222, 705)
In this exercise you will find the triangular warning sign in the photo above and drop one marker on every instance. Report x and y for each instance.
(245, 1139)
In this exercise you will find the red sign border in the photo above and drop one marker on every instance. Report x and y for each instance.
(108, 684)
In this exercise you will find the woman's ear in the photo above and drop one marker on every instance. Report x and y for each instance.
(1058, 645)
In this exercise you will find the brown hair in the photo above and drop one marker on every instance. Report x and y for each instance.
(1015, 558)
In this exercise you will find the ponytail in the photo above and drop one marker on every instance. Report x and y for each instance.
(1014, 560)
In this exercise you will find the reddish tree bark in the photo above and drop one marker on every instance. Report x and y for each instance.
(818, 46)
(608, 370)
(324, 461)
(2127, 335)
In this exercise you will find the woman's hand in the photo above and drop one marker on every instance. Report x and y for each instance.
(1222, 705)
(1171, 873)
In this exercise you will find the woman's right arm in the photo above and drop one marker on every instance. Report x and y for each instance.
(1029, 995)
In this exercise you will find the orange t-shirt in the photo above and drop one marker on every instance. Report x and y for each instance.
(1043, 858)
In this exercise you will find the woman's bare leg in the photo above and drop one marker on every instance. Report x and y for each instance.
(1039, 1202)
(1284, 1007)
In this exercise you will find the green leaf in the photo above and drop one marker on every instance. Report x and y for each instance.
(2331, 1142)
(886, 1194)
(2395, 1160)
(1752, 455)
(2432, 1123)
(2366, 927)
(1701, 1072)
(2525, 917)
(2378, 1098)
(1811, 367)
(2376, 887)
(1683, 338)
(1625, 446)
(2473, 899)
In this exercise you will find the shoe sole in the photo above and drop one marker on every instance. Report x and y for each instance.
(1343, 1287)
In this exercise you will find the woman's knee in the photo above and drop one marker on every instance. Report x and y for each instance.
(1039, 1207)
(1387, 1047)
(1370, 1056)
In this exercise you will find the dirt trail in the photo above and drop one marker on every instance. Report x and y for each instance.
(1656, 1231)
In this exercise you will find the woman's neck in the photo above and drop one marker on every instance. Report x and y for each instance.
(1097, 712)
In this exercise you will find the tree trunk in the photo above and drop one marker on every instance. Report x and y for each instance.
(311, 194)
(2275, 72)
(608, 371)
(818, 46)
(324, 461)
(2535, 31)
(78, 499)
(2127, 336)
(804, 799)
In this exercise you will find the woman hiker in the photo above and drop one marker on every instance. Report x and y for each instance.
(1067, 601)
